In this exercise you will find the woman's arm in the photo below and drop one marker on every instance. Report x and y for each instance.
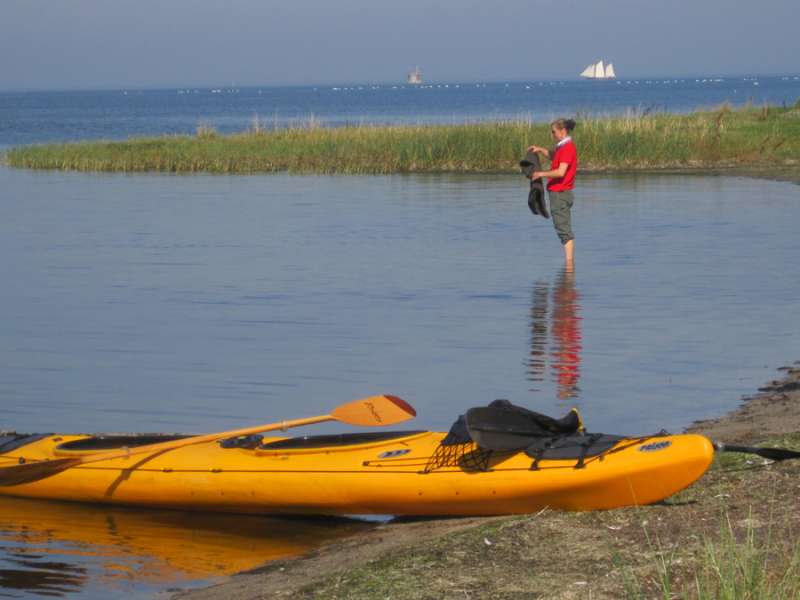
(539, 150)
(559, 172)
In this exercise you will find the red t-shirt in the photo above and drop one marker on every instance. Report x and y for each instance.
(566, 153)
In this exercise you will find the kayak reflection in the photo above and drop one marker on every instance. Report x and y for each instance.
(57, 548)
(556, 335)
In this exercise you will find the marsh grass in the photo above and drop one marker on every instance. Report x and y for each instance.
(638, 140)
(205, 131)
(742, 563)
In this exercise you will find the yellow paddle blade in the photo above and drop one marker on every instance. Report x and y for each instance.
(375, 411)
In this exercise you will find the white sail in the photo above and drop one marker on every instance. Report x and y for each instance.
(599, 71)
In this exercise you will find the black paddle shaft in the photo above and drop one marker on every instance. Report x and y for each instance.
(776, 454)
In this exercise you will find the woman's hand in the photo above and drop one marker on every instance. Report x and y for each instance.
(538, 150)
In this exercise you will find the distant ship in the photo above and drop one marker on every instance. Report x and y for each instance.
(598, 71)
(415, 77)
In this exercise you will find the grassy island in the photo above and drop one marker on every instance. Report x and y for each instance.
(723, 137)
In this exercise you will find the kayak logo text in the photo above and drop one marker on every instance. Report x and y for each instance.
(374, 412)
(655, 447)
(393, 453)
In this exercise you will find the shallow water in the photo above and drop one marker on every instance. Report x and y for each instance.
(161, 303)
(154, 302)
(62, 549)
(202, 303)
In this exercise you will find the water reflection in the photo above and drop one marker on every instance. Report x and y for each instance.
(30, 573)
(556, 335)
(58, 549)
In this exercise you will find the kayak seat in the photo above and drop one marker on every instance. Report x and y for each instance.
(112, 442)
(248, 442)
(336, 440)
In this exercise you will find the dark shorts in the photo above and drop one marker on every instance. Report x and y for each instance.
(560, 210)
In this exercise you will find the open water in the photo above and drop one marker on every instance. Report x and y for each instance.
(48, 116)
(200, 303)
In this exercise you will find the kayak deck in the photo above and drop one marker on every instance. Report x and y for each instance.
(400, 473)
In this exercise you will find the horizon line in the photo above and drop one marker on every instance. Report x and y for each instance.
(396, 83)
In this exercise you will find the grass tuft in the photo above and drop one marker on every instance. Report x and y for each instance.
(745, 562)
(206, 131)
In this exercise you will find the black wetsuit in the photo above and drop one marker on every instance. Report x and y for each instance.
(536, 199)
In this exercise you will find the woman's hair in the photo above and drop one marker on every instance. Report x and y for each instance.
(567, 124)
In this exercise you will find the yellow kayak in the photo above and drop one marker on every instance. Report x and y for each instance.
(391, 473)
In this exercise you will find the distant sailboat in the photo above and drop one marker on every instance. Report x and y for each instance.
(599, 71)
(415, 77)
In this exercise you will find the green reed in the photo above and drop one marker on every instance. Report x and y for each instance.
(721, 137)
(736, 565)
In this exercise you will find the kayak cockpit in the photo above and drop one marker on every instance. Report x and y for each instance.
(99, 443)
(311, 442)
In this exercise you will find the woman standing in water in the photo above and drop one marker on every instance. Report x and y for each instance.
(561, 180)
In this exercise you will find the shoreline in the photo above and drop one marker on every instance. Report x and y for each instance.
(481, 557)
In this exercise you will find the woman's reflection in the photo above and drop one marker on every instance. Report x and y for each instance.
(556, 334)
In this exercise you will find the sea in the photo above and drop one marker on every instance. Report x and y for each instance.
(196, 303)
(36, 117)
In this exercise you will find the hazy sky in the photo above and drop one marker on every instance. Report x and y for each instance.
(58, 44)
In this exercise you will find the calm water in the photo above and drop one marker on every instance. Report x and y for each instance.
(167, 303)
(60, 549)
(39, 117)
(163, 303)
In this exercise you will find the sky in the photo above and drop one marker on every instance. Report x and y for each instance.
(89, 44)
